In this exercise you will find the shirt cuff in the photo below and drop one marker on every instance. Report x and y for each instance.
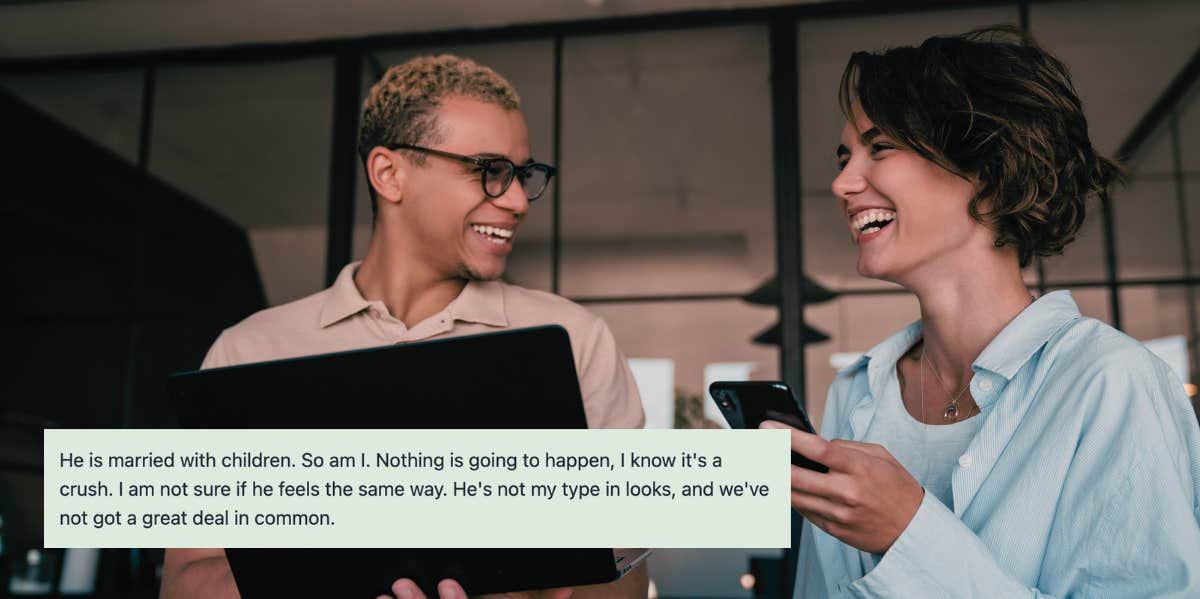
(929, 539)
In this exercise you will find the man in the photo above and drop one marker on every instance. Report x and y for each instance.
(446, 152)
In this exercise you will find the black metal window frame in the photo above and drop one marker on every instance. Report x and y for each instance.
(780, 22)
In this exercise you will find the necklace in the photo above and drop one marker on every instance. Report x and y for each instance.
(951, 412)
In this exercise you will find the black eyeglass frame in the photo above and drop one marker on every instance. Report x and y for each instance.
(518, 171)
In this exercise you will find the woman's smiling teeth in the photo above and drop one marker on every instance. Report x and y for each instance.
(870, 221)
(495, 235)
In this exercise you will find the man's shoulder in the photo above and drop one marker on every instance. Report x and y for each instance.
(304, 313)
(530, 307)
(277, 332)
(610, 393)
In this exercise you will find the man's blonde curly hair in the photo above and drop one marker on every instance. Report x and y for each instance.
(401, 107)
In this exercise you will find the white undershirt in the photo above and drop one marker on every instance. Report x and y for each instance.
(929, 452)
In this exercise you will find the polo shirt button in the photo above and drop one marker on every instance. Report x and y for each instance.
(964, 461)
(985, 385)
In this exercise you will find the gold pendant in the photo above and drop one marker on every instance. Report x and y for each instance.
(951, 413)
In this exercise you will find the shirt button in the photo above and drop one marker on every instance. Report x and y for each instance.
(985, 385)
(964, 461)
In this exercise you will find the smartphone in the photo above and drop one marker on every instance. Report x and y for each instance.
(746, 404)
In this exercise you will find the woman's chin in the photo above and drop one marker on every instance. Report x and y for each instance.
(871, 270)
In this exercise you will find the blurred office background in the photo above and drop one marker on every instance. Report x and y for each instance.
(171, 167)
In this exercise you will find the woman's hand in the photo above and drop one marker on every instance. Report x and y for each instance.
(865, 500)
(449, 589)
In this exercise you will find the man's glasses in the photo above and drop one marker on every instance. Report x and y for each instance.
(496, 174)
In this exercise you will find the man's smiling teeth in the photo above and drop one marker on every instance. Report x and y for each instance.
(873, 220)
(494, 234)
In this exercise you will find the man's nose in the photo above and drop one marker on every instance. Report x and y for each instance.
(513, 199)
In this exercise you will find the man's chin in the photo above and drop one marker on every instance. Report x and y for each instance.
(478, 273)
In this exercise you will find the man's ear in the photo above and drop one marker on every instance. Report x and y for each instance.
(387, 172)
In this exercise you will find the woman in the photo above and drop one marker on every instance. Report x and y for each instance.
(1001, 446)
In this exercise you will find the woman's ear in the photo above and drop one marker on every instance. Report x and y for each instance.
(386, 172)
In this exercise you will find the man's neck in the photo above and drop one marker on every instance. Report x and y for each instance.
(411, 291)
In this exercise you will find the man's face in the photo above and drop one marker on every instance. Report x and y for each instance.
(460, 231)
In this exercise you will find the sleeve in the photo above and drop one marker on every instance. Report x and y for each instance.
(811, 582)
(937, 555)
(810, 578)
(1125, 524)
(610, 393)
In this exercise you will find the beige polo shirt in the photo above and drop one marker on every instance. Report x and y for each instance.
(340, 319)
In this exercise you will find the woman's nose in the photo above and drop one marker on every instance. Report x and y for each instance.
(848, 183)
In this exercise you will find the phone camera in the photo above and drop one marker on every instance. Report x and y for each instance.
(723, 399)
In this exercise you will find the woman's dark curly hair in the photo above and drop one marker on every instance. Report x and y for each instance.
(994, 107)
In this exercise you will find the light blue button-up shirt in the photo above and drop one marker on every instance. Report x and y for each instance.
(1083, 480)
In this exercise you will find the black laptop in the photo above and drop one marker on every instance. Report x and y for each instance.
(519, 378)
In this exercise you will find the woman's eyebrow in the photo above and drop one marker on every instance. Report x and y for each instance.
(870, 134)
(842, 150)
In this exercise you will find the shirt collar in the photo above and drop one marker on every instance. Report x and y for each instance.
(1005, 355)
(888, 351)
(344, 298)
(880, 364)
(1027, 333)
(479, 302)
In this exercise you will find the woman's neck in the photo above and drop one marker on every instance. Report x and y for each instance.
(962, 312)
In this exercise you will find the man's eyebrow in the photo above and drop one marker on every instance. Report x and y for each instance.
(489, 155)
(495, 155)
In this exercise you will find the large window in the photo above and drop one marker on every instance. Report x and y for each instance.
(666, 160)
(1122, 57)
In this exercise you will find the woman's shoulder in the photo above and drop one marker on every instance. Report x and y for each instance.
(1091, 348)
(1108, 376)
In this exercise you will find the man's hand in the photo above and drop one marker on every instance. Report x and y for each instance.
(449, 589)
(865, 500)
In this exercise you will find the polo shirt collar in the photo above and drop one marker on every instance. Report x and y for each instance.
(479, 302)
(343, 299)
(1027, 333)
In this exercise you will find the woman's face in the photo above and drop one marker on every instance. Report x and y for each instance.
(907, 215)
